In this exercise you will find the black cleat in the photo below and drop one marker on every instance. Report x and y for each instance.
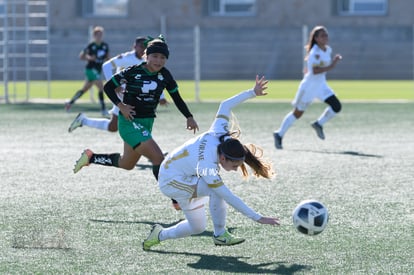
(278, 140)
(319, 130)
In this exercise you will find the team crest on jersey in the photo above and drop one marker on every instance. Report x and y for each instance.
(160, 77)
(317, 56)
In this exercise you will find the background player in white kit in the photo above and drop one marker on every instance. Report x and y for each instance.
(314, 85)
(115, 64)
(190, 175)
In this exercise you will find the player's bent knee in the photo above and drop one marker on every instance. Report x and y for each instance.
(297, 114)
(112, 128)
(334, 103)
(198, 228)
(127, 166)
(337, 107)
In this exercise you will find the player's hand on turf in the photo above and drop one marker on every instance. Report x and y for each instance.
(192, 124)
(260, 86)
(269, 220)
(127, 110)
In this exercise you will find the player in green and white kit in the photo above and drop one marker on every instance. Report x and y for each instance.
(95, 53)
(115, 64)
(144, 85)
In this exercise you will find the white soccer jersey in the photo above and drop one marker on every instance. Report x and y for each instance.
(317, 58)
(119, 63)
(314, 85)
(198, 159)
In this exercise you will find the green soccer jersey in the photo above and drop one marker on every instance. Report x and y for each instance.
(143, 88)
(100, 51)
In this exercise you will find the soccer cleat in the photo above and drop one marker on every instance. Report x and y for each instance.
(83, 160)
(278, 140)
(67, 106)
(77, 122)
(105, 113)
(319, 130)
(227, 239)
(153, 237)
(175, 205)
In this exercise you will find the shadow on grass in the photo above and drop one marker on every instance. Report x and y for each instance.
(134, 222)
(140, 166)
(55, 107)
(76, 108)
(42, 248)
(220, 263)
(351, 153)
(205, 233)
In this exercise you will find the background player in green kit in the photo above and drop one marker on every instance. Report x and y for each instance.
(115, 65)
(96, 53)
(144, 85)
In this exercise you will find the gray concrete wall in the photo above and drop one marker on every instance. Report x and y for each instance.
(374, 47)
(236, 53)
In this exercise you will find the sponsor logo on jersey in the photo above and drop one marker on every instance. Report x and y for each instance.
(204, 172)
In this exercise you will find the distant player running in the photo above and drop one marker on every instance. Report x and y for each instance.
(115, 64)
(95, 53)
(191, 175)
(313, 85)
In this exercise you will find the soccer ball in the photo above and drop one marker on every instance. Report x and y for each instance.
(310, 217)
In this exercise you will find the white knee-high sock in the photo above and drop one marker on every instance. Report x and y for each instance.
(326, 116)
(286, 123)
(98, 123)
(218, 211)
(195, 223)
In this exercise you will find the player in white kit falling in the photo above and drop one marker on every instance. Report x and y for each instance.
(190, 175)
(313, 85)
(117, 63)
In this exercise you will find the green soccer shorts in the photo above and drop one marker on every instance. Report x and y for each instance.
(92, 74)
(136, 131)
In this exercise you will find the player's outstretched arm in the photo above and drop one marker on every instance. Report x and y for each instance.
(228, 104)
(261, 86)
